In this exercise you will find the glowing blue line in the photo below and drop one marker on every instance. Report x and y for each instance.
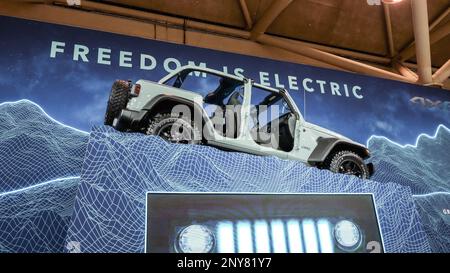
(38, 185)
(40, 108)
(244, 237)
(262, 240)
(325, 241)
(225, 237)
(294, 236)
(432, 194)
(278, 236)
(441, 126)
(310, 236)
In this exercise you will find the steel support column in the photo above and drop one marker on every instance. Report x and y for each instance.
(422, 37)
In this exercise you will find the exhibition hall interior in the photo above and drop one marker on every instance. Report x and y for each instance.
(223, 127)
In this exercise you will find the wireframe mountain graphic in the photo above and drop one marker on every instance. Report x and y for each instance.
(119, 168)
(35, 148)
(35, 219)
(435, 215)
(423, 166)
(41, 158)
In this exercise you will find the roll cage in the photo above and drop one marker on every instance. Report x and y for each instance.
(182, 72)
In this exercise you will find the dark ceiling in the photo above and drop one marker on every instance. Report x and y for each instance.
(348, 24)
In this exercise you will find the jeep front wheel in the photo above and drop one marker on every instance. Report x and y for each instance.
(174, 129)
(347, 162)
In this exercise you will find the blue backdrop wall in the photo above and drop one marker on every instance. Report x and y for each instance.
(55, 81)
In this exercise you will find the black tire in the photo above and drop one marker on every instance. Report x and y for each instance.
(162, 125)
(117, 101)
(347, 162)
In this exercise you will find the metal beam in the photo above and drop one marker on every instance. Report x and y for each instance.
(422, 37)
(405, 71)
(342, 52)
(435, 37)
(33, 1)
(442, 74)
(227, 31)
(272, 12)
(246, 13)
(439, 19)
(331, 59)
(390, 39)
(297, 47)
(127, 12)
(446, 85)
(409, 51)
(440, 33)
(414, 66)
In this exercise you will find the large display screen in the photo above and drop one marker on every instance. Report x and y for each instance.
(261, 223)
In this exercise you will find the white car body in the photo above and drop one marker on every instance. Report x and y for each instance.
(312, 143)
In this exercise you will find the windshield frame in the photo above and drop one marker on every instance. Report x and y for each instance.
(191, 68)
(284, 94)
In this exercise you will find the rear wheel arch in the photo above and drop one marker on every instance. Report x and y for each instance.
(165, 104)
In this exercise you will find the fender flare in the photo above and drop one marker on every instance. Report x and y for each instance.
(198, 110)
(325, 146)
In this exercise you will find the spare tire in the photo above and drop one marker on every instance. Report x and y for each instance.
(118, 99)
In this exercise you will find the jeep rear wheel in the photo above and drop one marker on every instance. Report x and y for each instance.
(174, 129)
(347, 162)
(117, 101)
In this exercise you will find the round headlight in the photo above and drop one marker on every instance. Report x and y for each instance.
(195, 239)
(347, 235)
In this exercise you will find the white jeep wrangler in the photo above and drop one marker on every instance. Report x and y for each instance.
(196, 105)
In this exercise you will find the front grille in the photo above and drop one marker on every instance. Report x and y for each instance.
(276, 236)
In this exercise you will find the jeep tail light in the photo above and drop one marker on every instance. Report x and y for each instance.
(136, 89)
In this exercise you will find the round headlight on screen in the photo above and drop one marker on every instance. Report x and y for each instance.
(195, 239)
(347, 235)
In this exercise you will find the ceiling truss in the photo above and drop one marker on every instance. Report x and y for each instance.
(396, 65)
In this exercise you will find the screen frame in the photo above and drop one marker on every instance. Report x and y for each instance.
(372, 196)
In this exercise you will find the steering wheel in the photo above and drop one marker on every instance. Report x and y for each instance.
(236, 98)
